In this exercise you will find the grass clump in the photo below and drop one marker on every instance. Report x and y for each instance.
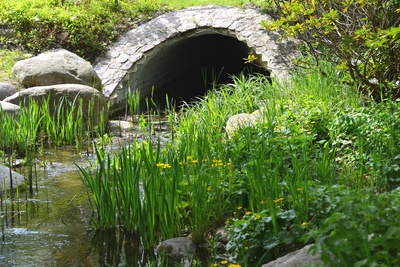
(276, 181)
(34, 127)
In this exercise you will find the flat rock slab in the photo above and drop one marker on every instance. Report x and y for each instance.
(93, 102)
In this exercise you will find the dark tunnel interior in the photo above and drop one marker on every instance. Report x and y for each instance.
(187, 69)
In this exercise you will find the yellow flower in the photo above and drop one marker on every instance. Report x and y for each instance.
(279, 200)
(257, 216)
(304, 224)
(209, 188)
(234, 265)
(217, 165)
(224, 262)
(299, 189)
(189, 157)
(239, 208)
(163, 165)
(248, 213)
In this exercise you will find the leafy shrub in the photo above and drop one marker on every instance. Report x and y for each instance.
(84, 27)
(261, 237)
(361, 230)
(308, 145)
(365, 141)
(361, 37)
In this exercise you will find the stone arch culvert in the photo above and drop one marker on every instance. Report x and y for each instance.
(181, 53)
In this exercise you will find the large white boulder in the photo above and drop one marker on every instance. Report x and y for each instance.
(58, 67)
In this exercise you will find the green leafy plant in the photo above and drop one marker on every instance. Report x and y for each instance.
(365, 142)
(361, 37)
(261, 237)
(361, 230)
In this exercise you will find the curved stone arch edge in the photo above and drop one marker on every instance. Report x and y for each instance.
(275, 55)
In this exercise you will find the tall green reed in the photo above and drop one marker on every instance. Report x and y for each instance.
(157, 192)
(100, 188)
(48, 123)
(63, 121)
(129, 191)
(43, 123)
(133, 104)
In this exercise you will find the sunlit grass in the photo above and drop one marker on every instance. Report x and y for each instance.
(7, 61)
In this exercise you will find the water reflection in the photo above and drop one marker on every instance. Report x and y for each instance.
(119, 248)
(48, 227)
(52, 226)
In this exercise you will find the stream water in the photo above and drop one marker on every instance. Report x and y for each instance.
(52, 227)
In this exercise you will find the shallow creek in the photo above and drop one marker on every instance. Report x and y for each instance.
(49, 228)
(52, 227)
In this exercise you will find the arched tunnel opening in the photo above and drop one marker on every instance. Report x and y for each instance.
(186, 69)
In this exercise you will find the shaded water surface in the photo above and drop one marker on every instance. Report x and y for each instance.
(50, 227)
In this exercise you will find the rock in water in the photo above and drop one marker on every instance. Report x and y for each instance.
(17, 179)
(177, 248)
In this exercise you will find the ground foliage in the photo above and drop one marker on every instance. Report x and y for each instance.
(84, 27)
